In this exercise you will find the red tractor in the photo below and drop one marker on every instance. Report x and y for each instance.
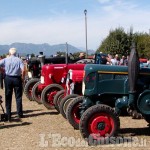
(53, 79)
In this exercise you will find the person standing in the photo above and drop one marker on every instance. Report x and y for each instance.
(14, 75)
(122, 61)
(115, 60)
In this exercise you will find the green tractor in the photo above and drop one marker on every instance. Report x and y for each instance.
(108, 90)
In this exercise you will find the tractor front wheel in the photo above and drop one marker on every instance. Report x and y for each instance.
(36, 94)
(48, 94)
(65, 102)
(73, 112)
(99, 123)
(28, 88)
(57, 99)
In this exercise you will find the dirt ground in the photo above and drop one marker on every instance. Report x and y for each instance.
(44, 129)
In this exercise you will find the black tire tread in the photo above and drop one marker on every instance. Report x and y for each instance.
(96, 109)
(56, 99)
(69, 111)
(44, 92)
(27, 85)
(62, 102)
(34, 97)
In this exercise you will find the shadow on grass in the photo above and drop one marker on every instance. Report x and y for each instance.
(41, 114)
(27, 111)
(136, 131)
(14, 124)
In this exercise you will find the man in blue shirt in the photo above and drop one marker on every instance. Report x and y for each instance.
(14, 74)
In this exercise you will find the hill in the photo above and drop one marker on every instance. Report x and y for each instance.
(29, 48)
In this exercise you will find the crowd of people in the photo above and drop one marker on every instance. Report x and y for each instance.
(110, 60)
(121, 61)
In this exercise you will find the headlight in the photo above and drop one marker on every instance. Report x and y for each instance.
(29, 74)
(42, 79)
(62, 80)
(83, 87)
(50, 76)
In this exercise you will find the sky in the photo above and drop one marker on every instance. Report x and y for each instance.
(61, 21)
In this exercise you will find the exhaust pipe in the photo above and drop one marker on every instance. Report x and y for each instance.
(41, 58)
(133, 71)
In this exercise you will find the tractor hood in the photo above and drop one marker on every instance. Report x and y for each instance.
(106, 79)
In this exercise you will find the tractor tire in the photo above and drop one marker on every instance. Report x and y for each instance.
(98, 123)
(57, 99)
(73, 112)
(26, 79)
(28, 87)
(36, 95)
(48, 94)
(64, 103)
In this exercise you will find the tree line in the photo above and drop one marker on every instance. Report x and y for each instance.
(119, 42)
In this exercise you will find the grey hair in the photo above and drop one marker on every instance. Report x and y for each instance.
(12, 51)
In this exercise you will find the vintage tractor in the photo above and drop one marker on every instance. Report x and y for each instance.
(53, 77)
(109, 89)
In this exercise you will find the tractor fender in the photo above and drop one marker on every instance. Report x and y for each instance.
(143, 102)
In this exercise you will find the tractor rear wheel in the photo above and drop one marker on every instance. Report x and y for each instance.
(98, 123)
(57, 99)
(65, 102)
(36, 94)
(28, 87)
(73, 112)
(48, 94)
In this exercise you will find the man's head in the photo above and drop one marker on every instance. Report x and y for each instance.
(12, 51)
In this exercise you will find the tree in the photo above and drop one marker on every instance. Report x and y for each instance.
(116, 42)
(143, 44)
(119, 42)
